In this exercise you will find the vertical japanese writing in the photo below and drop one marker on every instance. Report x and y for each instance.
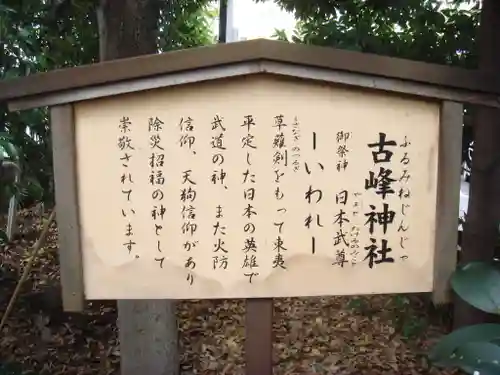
(250, 262)
(188, 198)
(157, 182)
(218, 178)
(295, 148)
(280, 163)
(313, 196)
(125, 145)
(383, 215)
(355, 230)
(340, 243)
(342, 150)
(404, 194)
(187, 139)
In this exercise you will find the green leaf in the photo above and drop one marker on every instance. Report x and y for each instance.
(9, 149)
(478, 283)
(3, 237)
(33, 189)
(8, 191)
(482, 369)
(6, 136)
(12, 368)
(6, 9)
(441, 354)
(479, 356)
(26, 35)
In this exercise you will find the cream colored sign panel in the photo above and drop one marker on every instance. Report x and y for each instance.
(256, 187)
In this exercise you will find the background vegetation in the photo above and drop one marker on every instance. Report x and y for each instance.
(41, 35)
(37, 36)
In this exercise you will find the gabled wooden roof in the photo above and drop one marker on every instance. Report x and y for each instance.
(247, 51)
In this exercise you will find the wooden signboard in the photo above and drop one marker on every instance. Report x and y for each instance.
(253, 170)
(256, 187)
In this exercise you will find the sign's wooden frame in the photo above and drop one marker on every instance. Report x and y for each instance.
(59, 89)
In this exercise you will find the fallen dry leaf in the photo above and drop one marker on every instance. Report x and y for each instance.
(337, 335)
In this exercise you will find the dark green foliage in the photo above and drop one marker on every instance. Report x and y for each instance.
(414, 29)
(477, 347)
(37, 36)
(423, 30)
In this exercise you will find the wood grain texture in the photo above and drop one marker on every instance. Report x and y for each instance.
(259, 336)
(450, 156)
(147, 345)
(66, 191)
(246, 51)
(284, 71)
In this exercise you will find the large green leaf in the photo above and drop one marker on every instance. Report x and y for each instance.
(9, 149)
(483, 357)
(11, 368)
(6, 9)
(478, 283)
(482, 369)
(442, 353)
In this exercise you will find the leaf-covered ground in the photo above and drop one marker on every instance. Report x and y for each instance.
(336, 335)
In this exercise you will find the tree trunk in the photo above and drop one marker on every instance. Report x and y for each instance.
(128, 28)
(483, 218)
(147, 328)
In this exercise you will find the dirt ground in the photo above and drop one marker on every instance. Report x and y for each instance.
(336, 335)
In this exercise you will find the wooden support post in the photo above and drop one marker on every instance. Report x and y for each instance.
(259, 336)
(64, 156)
(147, 343)
(449, 166)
